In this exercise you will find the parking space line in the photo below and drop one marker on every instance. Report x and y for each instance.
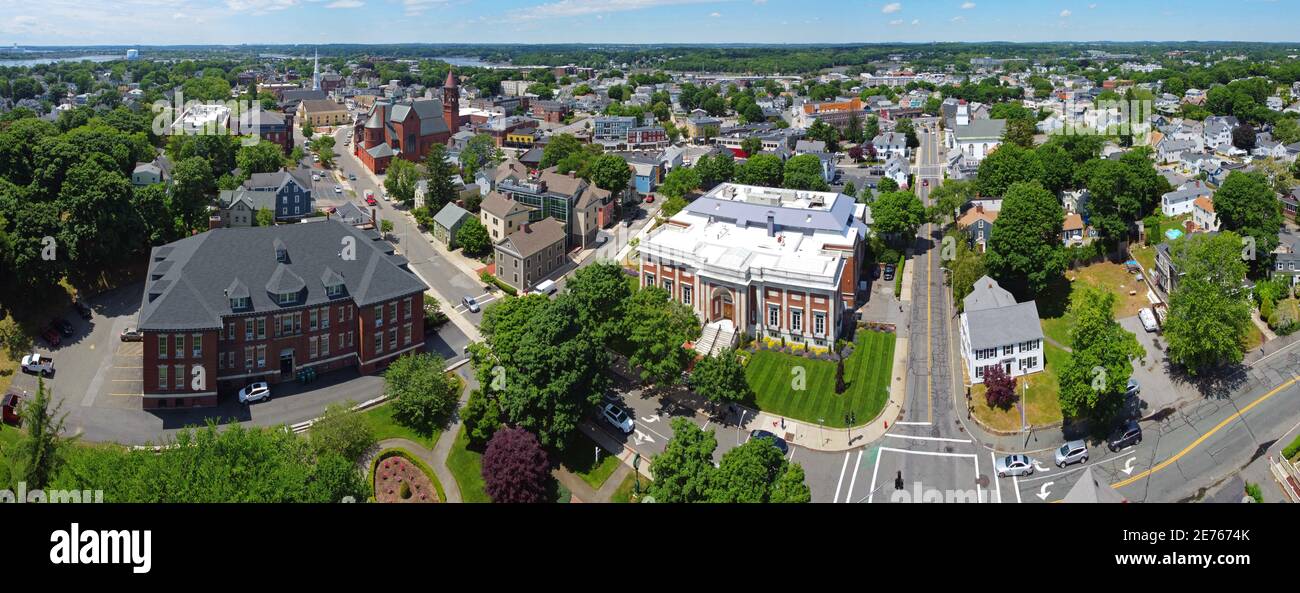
(997, 482)
(844, 467)
(912, 424)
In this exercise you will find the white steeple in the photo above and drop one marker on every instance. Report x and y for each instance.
(315, 74)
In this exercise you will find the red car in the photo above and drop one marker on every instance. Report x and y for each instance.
(649, 198)
(371, 201)
(51, 336)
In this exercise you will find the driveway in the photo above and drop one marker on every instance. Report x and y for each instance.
(1159, 389)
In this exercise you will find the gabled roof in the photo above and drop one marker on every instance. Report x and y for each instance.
(987, 294)
(534, 237)
(450, 215)
(500, 206)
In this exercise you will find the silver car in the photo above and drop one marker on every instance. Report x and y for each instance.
(1072, 452)
(1014, 465)
(617, 417)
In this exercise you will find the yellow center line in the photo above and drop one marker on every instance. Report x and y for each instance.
(1197, 442)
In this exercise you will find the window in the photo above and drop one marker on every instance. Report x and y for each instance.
(261, 328)
(248, 358)
(409, 303)
(392, 339)
(196, 344)
(350, 342)
(379, 315)
(230, 331)
(379, 342)
(325, 317)
(796, 320)
(819, 324)
(1028, 363)
(1008, 350)
(311, 322)
(180, 377)
(342, 345)
(261, 357)
(239, 303)
(686, 294)
(392, 312)
(162, 346)
(248, 329)
(406, 332)
(334, 290)
(649, 280)
(179, 350)
(324, 346)
(311, 347)
(341, 311)
(774, 316)
(668, 286)
(162, 376)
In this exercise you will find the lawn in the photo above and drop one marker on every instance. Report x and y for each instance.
(1254, 337)
(867, 372)
(380, 419)
(1111, 277)
(1146, 256)
(624, 493)
(467, 467)
(1042, 403)
(8, 435)
(579, 457)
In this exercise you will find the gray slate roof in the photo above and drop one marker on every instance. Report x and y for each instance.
(188, 279)
(450, 215)
(987, 294)
(833, 220)
(533, 238)
(980, 129)
(995, 319)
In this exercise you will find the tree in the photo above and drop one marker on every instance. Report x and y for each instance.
(658, 327)
(750, 473)
(1020, 132)
(908, 130)
(324, 147)
(1245, 205)
(1209, 315)
(307, 129)
(898, 214)
(872, 128)
(480, 151)
(610, 172)
(264, 217)
(887, 185)
(950, 197)
(36, 456)
(720, 379)
(439, 171)
(424, 395)
(683, 470)
(400, 180)
(1121, 191)
(192, 189)
(481, 417)
(790, 486)
(763, 170)
(1094, 379)
(473, 237)
(715, 169)
(1058, 167)
(1286, 130)
(1000, 388)
(1007, 165)
(600, 294)
(342, 431)
(1025, 250)
(516, 468)
(820, 130)
(559, 147)
(263, 157)
(550, 367)
(804, 172)
(967, 267)
(1243, 137)
(679, 182)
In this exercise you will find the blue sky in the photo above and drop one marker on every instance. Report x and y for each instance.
(145, 22)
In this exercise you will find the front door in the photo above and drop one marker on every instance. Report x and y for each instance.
(286, 363)
(1007, 366)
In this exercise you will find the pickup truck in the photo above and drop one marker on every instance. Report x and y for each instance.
(37, 364)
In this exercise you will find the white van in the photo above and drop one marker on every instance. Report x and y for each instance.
(1148, 319)
(546, 288)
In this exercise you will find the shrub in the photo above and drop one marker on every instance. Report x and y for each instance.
(898, 277)
(1000, 388)
(1254, 492)
(515, 467)
(1291, 450)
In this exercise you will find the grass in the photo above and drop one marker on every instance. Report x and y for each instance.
(1254, 337)
(867, 372)
(1042, 402)
(579, 457)
(1111, 277)
(380, 419)
(467, 467)
(624, 493)
(9, 435)
(1145, 255)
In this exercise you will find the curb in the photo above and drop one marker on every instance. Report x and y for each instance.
(305, 425)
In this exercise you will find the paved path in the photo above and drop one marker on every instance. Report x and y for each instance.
(581, 491)
(439, 466)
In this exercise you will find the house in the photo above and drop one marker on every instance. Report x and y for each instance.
(238, 207)
(1270, 149)
(1218, 131)
(890, 144)
(1286, 258)
(531, 253)
(647, 171)
(270, 126)
(808, 146)
(289, 194)
(1179, 201)
(996, 330)
(447, 222)
(1203, 214)
(976, 140)
(1171, 149)
(1290, 203)
(146, 174)
(612, 128)
(898, 168)
(501, 215)
(977, 222)
(581, 207)
(1072, 230)
(323, 113)
(1167, 273)
(230, 306)
(772, 263)
(700, 129)
(407, 129)
(1075, 201)
(550, 111)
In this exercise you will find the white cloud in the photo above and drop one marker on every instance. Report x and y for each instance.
(715, 14)
(260, 6)
(967, 5)
(571, 8)
(1066, 13)
(896, 22)
(19, 25)
(916, 22)
(892, 7)
(417, 7)
(1092, 6)
(958, 19)
(345, 4)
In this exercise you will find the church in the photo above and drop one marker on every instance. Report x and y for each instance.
(407, 129)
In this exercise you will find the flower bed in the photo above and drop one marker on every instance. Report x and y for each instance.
(398, 478)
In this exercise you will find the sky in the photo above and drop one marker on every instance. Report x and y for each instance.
(164, 22)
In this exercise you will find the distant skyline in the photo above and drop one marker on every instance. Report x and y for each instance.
(184, 22)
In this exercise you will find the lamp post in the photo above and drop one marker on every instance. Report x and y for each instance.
(636, 474)
(849, 419)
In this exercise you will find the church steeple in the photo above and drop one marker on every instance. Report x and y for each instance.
(315, 74)
(451, 103)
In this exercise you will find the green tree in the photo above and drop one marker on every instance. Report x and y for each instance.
(423, 394)
(898, 214)
(263, 157)
(1025, 250)
(1007, 165)
(481, 151)
(887, 185)
(438, 171)
(1245, 205)
(658, 327)
(949, 197)
(324, 147)
(751, 146)
(804, 172)
(481, 417)
(908, 130)
(192, 190)
(611, 173)
(400, 181)
(684, 469)
(720, 379)
(967, 267)
(1209, 316)
(763, 170)
(715, 169)
(679, 182)
(37, 455)
(473, 237)
(1095, 377)
(264, 217)
(342, 431)
(1020, 132)
(1058, 167)
(750, 473)
(560, 146)
(600, 294)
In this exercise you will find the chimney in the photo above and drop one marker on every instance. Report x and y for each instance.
(771, 224)
(526, 227)
(214, 222)
(979, 208)
(373, 221)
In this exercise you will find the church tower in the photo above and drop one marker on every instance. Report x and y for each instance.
(315, 73)
(451, 103)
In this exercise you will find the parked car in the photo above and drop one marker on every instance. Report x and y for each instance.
(649, 198)
(132, 334)
(1134, 387)
(51, 337)
(1072, 452)
(315, 176)
(82, 309)
(777, 441)
(255, 392)
(37, 364)
(64, 326)
(1127, 435)
(925, 183)
(889, 271)
(1148, 319)
(338, 189)
(546, 288)
(617, 417)
(1014, 465)
(352, 176)
(470, 304)
(371, 201)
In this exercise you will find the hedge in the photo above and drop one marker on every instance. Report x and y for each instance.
(510, 290)
(403, 453)
(898, 277)
(1291, 450)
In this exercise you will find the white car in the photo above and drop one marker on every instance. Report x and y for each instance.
(255, 392)
(1148, 320)
(617, 417)
(41, 365)
(1014, 465)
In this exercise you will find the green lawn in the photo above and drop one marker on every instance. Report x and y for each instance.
(579, 457)
(1042, 400)
(624, 493)
(8, 435)
(380, 419)
(1146, 256)
(467, 467)
(1130, 296)
(867, 372)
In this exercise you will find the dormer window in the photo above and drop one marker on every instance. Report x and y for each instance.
(239, 303)
(287, 298)
(335, 290)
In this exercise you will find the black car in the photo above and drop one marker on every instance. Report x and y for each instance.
(1127, 435)
(82, 309)
(63, 325)
(777, 441)
(889, 272)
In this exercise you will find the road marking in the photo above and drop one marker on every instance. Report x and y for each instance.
(856, 465)
(929, 333)
(1015, 482)
(844, 467)
(945, 440)
(1128, 466)
(871, 496)
(1039, 467)
(1087, 465)
(996, 481)
(642, 438)
(1043, 492)
(1197, 442)
(912, 424)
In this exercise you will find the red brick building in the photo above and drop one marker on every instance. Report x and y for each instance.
(407, 129)
(233, 306)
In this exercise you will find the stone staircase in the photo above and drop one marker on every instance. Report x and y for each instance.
(717, 336)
